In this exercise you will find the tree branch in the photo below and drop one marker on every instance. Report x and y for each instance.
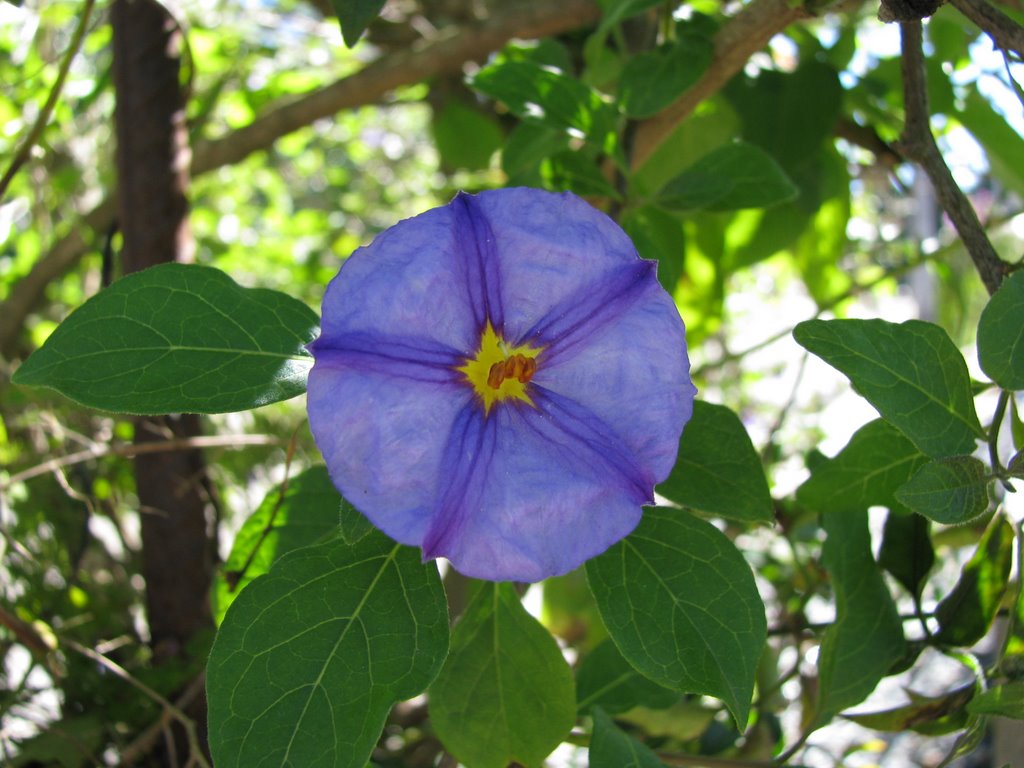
(445, 54)
(744, 35)
(1004, 31)
(918, 144)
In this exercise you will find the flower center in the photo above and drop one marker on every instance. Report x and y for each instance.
(498, 372)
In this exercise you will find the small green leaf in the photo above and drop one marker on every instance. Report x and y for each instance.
(950, 491)
(966, 613)
(931, 715)
(311, 657)
(611, 748)
(355, 16)
(866, 638)
(1002, 700)
(606, 680)
(505, 694)
(177, 338)
(718, 471)
(911, 372)
(1001, 334)
(306, 512)
(866, 472)
(616, 11)
(658, 236)
(732, 177)
(652, 80)
(465, 137)
(681, 604)
(906, 550)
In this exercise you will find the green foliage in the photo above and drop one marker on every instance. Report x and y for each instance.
(651, 81)
(607, 681)
(907, 551)
(952, 490)
(177, 338)
(1001, 334)
(1003, 700)
(355, 16)
(325, 642)
(611, 748)
(505, 694)
(684, 569)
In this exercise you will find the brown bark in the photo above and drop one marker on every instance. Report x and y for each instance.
(152, 164)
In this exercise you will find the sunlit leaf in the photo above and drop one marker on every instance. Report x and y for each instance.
(652, 80)
(1003, 700)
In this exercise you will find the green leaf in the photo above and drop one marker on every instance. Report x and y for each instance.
(912, 373)
(950, 491)
(616, 11)
(866, 638)
(906, 550)
(1004, 147)
(658, 236)
(611, 748)
(606, 680)
(505, 694)
(304, 513)
(734, 176)
(652, 80)
(966, 613)
(546, 96)
(931, 715)
(681, 604)
(577, 172)
(465, 137)
(311, 657)
(1002, 700)
(177, 338)
(866, 472)
(718, 471)
(355, 16)
(1001, 334)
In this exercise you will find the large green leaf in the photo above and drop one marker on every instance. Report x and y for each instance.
(311, 657)
(951, 491)
(866, 472)
(611, 748)
(355, 16)
(911, 372)
(681, 604)
(718, 471)
(287, 519)
(606, 680)
(652, 80)
(966, 613)
(178, 338)
(1001, 334)
(734, 176)
(505, 694)
(866, 638)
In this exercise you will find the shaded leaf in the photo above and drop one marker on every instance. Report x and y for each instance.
(311, 657)
(1004, 147)
(718, 471)
(931, 715)
(866, 638)
(177, 338)
(906, 550)
(912, 373)
(950, 491)
(658, 236)
(505, 693)
(681, 604)
(652, 80)
(355, 16)
(865, 473)
(734, 176)
(1003, 700)
(465, 137)
(1001, 334)
(966, 613)
(307, 511)
(611, 748)
(606, 680)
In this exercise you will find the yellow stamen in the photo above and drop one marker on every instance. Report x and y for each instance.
(498, 372)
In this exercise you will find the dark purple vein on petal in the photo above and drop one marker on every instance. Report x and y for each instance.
(465, 465)
(585, 438)
(404, 357)
(475, 247)
(569, 323)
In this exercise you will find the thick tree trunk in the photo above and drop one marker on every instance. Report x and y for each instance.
(152, 164)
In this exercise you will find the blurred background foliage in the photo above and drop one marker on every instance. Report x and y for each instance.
(836, 223)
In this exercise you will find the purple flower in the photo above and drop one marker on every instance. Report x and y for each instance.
(502, 382)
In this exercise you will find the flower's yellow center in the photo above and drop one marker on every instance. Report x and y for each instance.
(498, 372)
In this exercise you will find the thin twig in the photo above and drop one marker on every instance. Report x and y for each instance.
(918, 144)
(143, 743)
(129, 450)
(1004, 31)
(170, 709)
(25, 150)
